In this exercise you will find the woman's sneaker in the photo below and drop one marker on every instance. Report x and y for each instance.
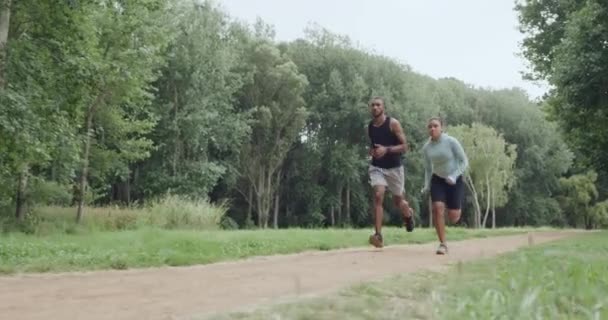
(442, 249)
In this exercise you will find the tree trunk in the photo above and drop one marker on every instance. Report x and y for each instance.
(340, 191)
(248, 218)
(332, 216)
(275, 220)
(20, 205)
(135, 183)
(260, 199)
(268, 198)
(277, 191)
(128, 189)
(176, 128)
(475, 201)
(488, 199)
(5, 15)
(264, 196)
(85, 168)
(493, 217)
(260, 211)
(493, 211)
(85, 156)
(347, 213)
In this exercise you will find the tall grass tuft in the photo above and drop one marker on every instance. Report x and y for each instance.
(169, 212)
(174, 212)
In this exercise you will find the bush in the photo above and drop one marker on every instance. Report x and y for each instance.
(175, 212)
(229, 223)
(49, 192)
(170, 212)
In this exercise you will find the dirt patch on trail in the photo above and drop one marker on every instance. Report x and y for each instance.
(181, 292)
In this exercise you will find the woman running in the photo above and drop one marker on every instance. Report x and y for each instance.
(445, 163)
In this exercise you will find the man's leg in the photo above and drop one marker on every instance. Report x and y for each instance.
(378, 208)
(406, 211)
(395, 179)
(378, 183)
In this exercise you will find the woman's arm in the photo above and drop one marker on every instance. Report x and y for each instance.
(461, 158)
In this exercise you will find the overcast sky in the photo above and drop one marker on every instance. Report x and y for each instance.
(476, 41)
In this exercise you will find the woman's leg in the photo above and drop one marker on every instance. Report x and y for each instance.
(455, 197)
(439, 221)
(438, 199)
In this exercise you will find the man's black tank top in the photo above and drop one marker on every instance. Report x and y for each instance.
(383, 135)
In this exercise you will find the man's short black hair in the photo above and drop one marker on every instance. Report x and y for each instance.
(378, 98)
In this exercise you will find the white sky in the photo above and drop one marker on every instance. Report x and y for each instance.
(476, 41)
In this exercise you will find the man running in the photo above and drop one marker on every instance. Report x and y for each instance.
(386, 169)
(445, 163)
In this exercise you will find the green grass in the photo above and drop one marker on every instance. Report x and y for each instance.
(567, 279)
(147, 247)
(169, 212)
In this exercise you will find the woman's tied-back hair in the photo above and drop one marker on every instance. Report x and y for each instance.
(436, 118)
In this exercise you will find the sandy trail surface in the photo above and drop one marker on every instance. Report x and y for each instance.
(183, 292)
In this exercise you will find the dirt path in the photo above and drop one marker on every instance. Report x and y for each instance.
(177, 293)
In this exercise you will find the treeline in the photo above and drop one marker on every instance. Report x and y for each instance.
(121, 102)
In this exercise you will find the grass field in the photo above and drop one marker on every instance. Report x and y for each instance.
(567, 279)
(149, 247)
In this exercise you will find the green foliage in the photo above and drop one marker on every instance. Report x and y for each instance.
(578, 199)
(273, 97)
(492, 163)
(564, 280)
(178, 98)
(561, 280)
(199, 132)
(173, 212)
(152, 247)
(50, 193)
(566, 45)
(168, 212)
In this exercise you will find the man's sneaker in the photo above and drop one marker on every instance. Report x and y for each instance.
(376, 240)
(442, 249)
(409, 222)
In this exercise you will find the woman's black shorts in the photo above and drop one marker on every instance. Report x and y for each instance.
(451, 195)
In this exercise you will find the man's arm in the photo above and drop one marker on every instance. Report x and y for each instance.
(398, 131)
(370, 148)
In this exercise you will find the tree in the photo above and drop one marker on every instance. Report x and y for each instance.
(124, 43)
(542, 152)
(566, 45)
(5, 18)
(578, 193)
(491, 161)
(273, 96)
(36, 96)
(199, 132)
(599, 214)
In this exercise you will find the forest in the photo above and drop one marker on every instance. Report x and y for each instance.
(124, 103)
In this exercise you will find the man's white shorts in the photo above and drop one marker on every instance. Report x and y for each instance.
(393, 179)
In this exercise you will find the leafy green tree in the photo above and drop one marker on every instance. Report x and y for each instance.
(199, 133)
(577, 198)
(566, 45)
(273, 95)
(123, 54)
(491, 173)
